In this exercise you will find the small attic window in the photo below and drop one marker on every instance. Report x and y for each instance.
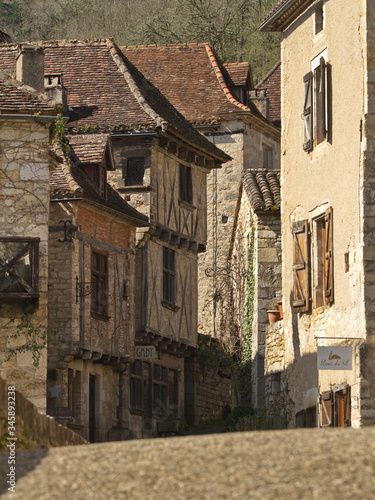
(134, 171)
(319, 18)
(98, 174)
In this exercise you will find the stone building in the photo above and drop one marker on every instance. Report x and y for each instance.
(26, 117)
(326, 371)
(160, 167)
(221, 102)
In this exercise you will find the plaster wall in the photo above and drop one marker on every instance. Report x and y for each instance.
(328, 176)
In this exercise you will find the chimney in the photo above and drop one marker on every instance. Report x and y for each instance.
(261, 101)
(30, 67)
(55, 90)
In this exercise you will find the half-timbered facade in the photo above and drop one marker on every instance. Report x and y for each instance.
(160, 165)
(218, 102)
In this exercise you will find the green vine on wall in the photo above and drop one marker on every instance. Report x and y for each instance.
(59, 135)
(33, 338)
(244, 376)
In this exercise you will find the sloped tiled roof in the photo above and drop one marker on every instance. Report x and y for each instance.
(239, 74)
(272, 84)
(107, 93)
(18, 98)
(69, 180)
(263, 189)
(90, 148)
(192, 78)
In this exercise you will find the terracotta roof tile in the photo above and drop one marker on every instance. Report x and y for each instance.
(90, 148)
(239, 74)
(263, 188)
(192, 78)
(15, 97)
(271, 83)
(107, 93)
(69, 180)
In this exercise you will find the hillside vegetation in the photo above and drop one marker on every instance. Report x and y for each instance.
(229, 26)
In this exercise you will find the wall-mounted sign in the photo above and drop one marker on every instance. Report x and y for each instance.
(60, 412)
(335, 358)
(146, 352)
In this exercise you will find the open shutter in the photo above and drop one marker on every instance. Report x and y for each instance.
(320, 92)
(301, 266)
(347, 398)
(328, 256)
(326, 407)
(308, 112)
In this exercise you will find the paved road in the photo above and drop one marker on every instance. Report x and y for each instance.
(300, 464)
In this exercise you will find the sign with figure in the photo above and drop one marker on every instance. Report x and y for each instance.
(335, 358)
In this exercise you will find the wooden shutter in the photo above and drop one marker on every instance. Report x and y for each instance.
(326, 404)
(301, 266)
(308, 112)
(328, 258)
(320, 93)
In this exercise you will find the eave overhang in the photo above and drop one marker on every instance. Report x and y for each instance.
(284, 14)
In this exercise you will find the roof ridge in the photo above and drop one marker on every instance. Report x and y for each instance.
(164, 45)
(221, 80)
(271, 71)
(118, 56)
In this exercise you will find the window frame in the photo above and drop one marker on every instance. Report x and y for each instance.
(30, 245)
(186, 183)
(99, 284)
(169, 276)
(316, 114)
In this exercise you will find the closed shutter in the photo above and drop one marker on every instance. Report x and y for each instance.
(326, 409)
(328, 256)
(301, 267)
(308, 112)
(320, 92)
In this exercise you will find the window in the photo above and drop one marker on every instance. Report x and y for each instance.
(169, 276)
(160, 390)
(99, 282)
(98, 174)
(319, 18)
(134, 171)
(267, 156)
(186, 186)
(317, 249)
(155, 384)
(19, 269)
(335, 407)
(315, 111)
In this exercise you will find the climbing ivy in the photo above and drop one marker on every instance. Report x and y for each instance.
(245, 365)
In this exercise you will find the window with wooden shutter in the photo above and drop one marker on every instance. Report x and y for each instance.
(320, 100)
(326, 409)
(308, 112)
(342, 407)
(301, 266)
(323, 259)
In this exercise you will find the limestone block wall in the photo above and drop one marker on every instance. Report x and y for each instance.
(24, 212)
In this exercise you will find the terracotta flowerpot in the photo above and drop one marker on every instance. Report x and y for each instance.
(280, 306)
(273, 316)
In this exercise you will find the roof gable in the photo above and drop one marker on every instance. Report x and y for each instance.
(283, 14)
(192, 78)
(107, 93)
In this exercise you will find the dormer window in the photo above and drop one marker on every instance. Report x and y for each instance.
(134, 171)
(98, 174)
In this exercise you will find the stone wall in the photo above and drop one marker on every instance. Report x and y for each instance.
(24, 202)
(33, 430)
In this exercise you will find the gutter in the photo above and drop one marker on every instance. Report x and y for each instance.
(43, 118)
